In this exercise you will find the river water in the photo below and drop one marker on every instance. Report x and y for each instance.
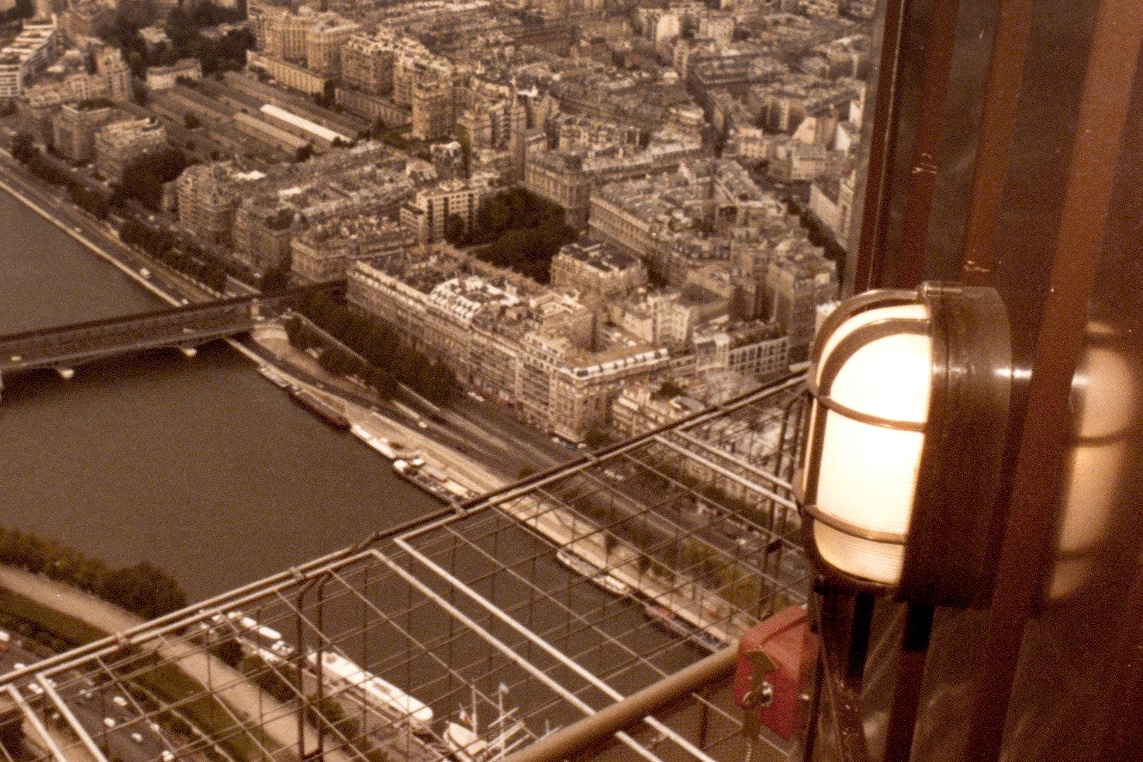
(198, 465)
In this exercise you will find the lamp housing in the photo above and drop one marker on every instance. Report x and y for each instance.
(911, 395)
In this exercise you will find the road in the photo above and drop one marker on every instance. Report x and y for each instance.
(237, 692)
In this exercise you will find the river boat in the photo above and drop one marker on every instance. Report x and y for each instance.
(319, 407)
(341, 674)
(273, 376)
(593, 573)
(380, 444)
(254, 638)
(439, 487)
(665, 619)
(504, 735)
(466, 746)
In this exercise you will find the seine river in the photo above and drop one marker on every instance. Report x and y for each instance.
(198, 465)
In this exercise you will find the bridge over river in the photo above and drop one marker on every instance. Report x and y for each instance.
(65, 347)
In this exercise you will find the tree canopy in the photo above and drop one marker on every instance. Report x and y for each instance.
(184, 28)
(519, 230)
(388, 359)
(143, 178)
(142, 588)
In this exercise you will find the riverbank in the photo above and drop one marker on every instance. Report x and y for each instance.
(301, 369)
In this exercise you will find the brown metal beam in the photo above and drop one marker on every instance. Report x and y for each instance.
(1104, 104)
(939, 45)
(585, 733)
(1006, 71)
(845, 639)
(874, 211)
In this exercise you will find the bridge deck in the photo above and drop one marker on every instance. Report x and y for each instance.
(189, 324)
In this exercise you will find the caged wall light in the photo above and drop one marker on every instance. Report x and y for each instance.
(911, 396)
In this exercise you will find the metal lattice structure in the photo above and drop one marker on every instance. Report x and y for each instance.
(472, 633)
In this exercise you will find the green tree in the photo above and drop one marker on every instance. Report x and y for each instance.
(143, 178)
(24, 147)
(144, 589)
(668, 389)
(276, 278)
(455, 231)
(228, 650)
(595, 438)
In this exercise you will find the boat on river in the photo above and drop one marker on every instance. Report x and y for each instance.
(380, 444)
(430, 480)
(593, 573)
(666, 619)
(319, 407)
(466, 741)
(341, 674)
(273, 376)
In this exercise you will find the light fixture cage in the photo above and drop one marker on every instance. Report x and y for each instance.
(910, 416)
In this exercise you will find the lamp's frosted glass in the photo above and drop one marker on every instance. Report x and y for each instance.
(876, 561)
(868, 473)
(868, 478)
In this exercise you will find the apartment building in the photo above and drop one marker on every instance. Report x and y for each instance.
(36, 46)
(367, 64)
(118, 144)
(208, 197)
(427, 215)
(597, 271)
(74, 127)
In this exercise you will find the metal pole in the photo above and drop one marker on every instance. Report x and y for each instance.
(910, 675)
(589, 731)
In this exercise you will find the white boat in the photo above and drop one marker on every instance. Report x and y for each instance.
(464, 744)
(611, 584)
(428, 479)
(340, 673)
(274, 376)
(593, 573)
(504, 735)
(253, 637)
(380, 444)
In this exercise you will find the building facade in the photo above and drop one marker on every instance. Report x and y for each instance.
(118, 144)
(427, 215)
(74, 128)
